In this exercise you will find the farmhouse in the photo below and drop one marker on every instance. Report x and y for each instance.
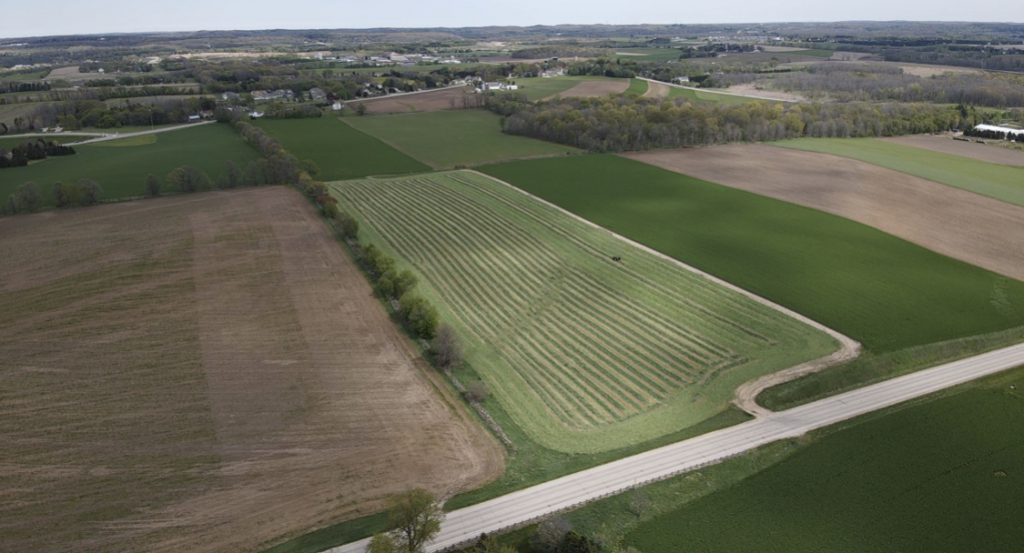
(230, 96)
(269, 95)
(497, 87)
(317, 94)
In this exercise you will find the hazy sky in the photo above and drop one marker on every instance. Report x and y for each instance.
(50, 17)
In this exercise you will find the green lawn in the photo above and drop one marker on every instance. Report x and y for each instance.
(703, 96)
(339, 150)
(1002, 182)
(446, 139)
(942, 476)
(585, 353)
(885, 292)
(121, 171)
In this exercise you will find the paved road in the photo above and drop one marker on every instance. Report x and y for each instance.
(530, 504)
(119, 136)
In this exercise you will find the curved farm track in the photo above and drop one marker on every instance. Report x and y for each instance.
(973, 228)
(207, 373)
(656, 89)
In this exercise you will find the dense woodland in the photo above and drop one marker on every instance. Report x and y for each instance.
(625, 123)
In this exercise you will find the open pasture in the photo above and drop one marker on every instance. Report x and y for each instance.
(973, 228)
(941, 476)
(540, 88)
(122, 171)
(447, 139)
(597, 88)
(585, 352)
(1001, 182)
(882, 291)
(707, 97)
(207, 373)
(339, 150)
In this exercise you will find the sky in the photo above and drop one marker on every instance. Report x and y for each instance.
(53, 17)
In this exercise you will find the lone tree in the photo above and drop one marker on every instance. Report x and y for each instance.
(25, 199)
(89, 191)
(414, 518)
(446, 348)
(152, 186)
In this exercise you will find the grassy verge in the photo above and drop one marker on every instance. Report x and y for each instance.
(637, 87)
(870, 368)
(884, 471)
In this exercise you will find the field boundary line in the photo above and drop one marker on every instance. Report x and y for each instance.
(722, 92)
(746, 394)
(118, 136)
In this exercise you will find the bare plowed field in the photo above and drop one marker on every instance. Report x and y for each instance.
(945, 144)
(954, 222)
(434, 100)
(206, 373)
(596, 89)
(657, 90)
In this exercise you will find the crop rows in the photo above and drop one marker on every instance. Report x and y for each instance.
(594, 340)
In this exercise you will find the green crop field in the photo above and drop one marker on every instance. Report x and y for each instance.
(705, 97)
(1002, 182)
(121, 170)
(637, 87)
(943, 476)
(885, 292)
(339, 151)
(538, 88)
(585, 353)
(446, 139)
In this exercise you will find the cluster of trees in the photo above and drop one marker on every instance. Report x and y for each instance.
(994, 135)
(876, 82)
(606, 68)
(624, 123)
(414, 518)
(76, 114)
(415, 312)
(712, 50)
(32, 150)
(28, 198)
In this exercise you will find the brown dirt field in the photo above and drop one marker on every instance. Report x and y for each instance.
(207, 373)
(980, 230)
(434, 100)
(657, 90)
(753, 90)
(992, 153)
(595, 89)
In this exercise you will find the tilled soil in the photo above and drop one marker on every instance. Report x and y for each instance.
(595, 89)
(977, 229)
(207, 373)
(435, 100)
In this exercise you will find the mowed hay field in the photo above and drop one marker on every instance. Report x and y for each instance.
(540, 88)
(339, 150)
(121, 166)
(206, 373)
(446, 139)
(886, 293)
(1002, 182)
(585, 353)
(980, 230)
(941, 476)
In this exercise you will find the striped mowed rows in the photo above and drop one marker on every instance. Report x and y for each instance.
(584, 352)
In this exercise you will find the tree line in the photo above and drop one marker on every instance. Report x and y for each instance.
(625, 123)
(28, 198)
(32, 150)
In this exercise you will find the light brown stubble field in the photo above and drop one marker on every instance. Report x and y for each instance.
(206, 373)
(973, 228)
(455, 97)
